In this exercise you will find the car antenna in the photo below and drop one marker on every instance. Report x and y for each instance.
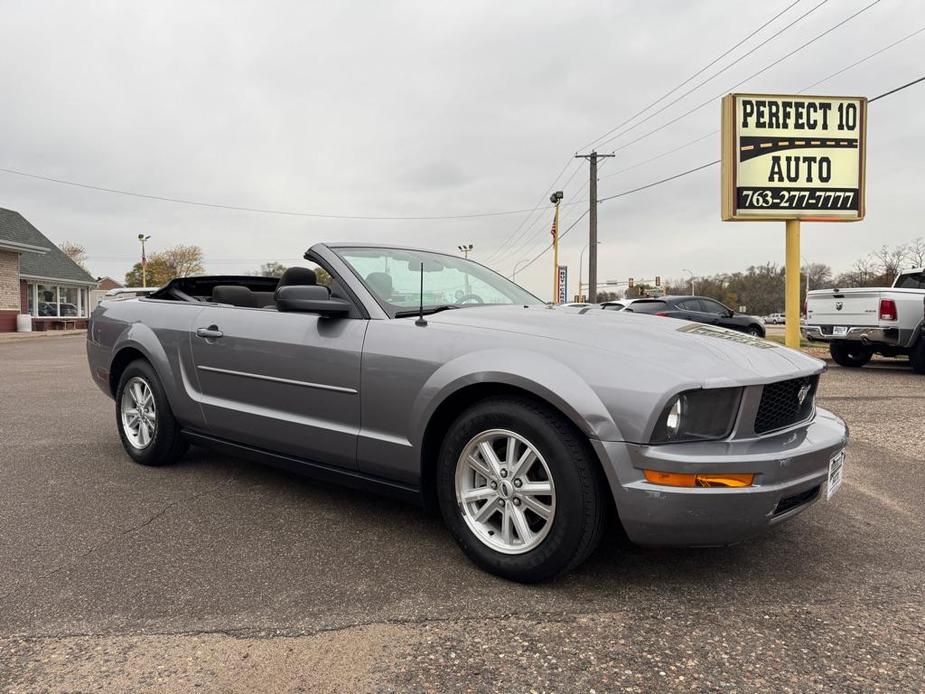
(420, 321)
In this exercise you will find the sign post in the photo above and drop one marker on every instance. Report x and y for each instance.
(793, 158)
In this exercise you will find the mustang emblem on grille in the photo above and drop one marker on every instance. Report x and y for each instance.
(838, 305)
(803, 393)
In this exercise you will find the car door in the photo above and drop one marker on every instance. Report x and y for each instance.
(720, 314)
(281, 381)
(691, 309)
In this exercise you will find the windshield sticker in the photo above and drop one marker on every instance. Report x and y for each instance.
(724, 334)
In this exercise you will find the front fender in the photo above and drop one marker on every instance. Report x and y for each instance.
(535, 373)
(168, 364)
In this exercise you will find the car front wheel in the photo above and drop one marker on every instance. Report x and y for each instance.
(519, 490)
(147, 428)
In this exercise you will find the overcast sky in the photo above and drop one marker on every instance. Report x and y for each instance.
(427, 108)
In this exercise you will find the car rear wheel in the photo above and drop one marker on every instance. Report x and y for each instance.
(850, 354)
(519, 490)
(147, 428)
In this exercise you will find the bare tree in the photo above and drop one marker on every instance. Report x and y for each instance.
(915, 252)
(819, 275)
(75, 252)
(889, 260)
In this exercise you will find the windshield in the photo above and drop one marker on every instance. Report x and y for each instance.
(393, 275)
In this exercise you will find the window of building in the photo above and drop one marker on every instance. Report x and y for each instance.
(56, 301)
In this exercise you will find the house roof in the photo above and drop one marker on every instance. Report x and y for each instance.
(53, 264)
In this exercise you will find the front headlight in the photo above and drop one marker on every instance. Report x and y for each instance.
(698, 415)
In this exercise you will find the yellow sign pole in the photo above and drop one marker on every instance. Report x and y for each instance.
(555, 257)
(792, 285)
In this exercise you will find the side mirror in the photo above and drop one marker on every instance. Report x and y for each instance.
(310, 298)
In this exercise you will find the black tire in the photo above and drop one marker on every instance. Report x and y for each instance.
(850, 354)
(917, 356)
(755, 330)
(580, 507)
(167, 444)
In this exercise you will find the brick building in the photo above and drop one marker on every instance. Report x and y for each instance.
(38, 279)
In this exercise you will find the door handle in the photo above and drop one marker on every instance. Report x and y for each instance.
(212, 332)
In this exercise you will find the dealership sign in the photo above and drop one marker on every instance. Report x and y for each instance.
(793, 157)
(562, 285)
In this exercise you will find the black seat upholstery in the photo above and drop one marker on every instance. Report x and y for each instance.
(297, 275)
(381, 284)
(264, 299)
(234, 295)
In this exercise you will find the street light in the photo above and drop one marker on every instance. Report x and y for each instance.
(144, 260)
(555, 199)
(516, 266)
(692, 279)
(465, 249)
(581, 260)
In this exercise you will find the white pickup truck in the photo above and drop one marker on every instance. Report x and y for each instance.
(858, 323)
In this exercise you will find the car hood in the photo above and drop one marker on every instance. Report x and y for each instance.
(693, 353)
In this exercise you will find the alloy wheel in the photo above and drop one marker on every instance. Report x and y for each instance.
(505, 491)
(139, 412)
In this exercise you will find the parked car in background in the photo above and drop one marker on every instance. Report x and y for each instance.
(617, 305)
(775, 319)
(524, 423)
(128, 292)
(858, 323)
(699, 309)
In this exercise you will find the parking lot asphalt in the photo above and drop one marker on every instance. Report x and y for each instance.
(223, 575)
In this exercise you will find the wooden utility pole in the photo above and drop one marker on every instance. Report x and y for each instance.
(592, 223)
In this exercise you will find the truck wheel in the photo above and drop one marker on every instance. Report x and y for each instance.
(149, 433)
(917, 356)
(519, 490)
(850, 354)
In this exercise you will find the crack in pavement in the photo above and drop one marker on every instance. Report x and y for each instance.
(118, 536)
(266, 633)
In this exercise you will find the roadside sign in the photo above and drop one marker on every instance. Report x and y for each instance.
(793, 157)
(563, 285)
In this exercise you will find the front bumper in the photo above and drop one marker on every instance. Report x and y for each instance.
(791, 470)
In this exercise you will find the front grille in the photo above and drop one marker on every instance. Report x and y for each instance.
(782, 406)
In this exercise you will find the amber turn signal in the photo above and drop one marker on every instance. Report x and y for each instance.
(683, 479)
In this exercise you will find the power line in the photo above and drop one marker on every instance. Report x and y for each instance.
(865, 58)
(750, 77)
(898, 89)
(869, 56)
(525, 227)
(658, 183)
(685, 173)
(534, 209)
(709, 79)
(238, 208)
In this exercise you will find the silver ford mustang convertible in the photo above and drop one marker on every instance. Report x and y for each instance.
(431, 377)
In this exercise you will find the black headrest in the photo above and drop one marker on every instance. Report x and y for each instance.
(380, 283)
(297, 275)
(234, 295)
